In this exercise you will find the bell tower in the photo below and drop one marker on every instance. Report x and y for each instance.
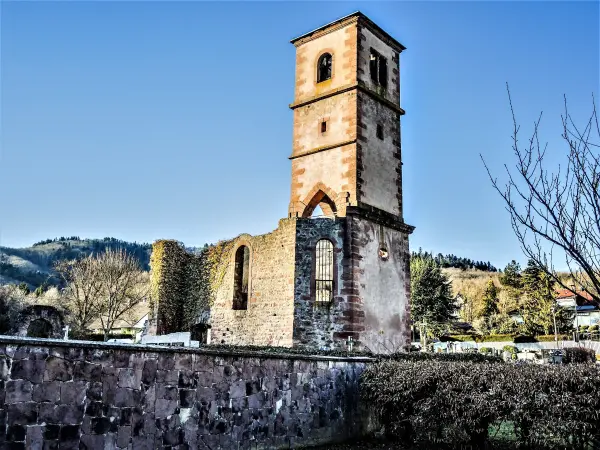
(346, 146)
(346, 158)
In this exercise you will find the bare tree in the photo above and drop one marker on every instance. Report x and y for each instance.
(105, 287)
(82, 292)
(558, 208)
(123, 286)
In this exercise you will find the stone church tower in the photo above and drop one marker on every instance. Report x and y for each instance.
(322, 282)
(346, 158)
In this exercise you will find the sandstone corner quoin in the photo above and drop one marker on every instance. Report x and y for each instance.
(314, 282)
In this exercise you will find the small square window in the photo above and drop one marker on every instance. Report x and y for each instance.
(323, 126)
(380, 131)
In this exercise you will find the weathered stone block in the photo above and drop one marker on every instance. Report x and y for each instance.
(58, 369)
(35, 437)
(22, 413)
(123, 436)
(17, 391)
(83, 370)
(165, 407)
(48, 391)
(51, 432)
(73, 392)
(129, 378)
(149, 371)
(16, 433)
(94, 391)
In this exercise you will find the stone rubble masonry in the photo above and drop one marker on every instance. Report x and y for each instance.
(269, 317)
(74, 395)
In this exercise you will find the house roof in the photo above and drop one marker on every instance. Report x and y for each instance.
(566, 293)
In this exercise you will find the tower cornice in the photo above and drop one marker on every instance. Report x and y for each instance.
(345, 21)
(347, 88)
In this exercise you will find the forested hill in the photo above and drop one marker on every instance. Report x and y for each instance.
(33, 265)
(457, 262)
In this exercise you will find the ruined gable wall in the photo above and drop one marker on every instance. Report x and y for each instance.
(269, 317)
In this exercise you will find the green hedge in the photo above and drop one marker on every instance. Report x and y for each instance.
(578, 355)
(404, 356)
(456, 405)
(502, 338)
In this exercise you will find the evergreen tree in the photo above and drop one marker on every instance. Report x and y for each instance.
(24, 288)
(512, 276)
(490, 300)
(431, 292)
(539, 305)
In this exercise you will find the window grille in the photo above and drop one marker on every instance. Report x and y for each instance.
(324, 272)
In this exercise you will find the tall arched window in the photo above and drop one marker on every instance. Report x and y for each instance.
(324, 67)
(324, 271)
(241, 276)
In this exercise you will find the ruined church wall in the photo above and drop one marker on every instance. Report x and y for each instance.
(73, 395)
(383, 286)
(318, 326)
(269, 317)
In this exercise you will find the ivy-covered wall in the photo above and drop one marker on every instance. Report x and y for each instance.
(178, 287)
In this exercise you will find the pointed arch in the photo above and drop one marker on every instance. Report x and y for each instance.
(321, 196)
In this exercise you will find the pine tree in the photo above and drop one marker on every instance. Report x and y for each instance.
(512, 276)
(431, 292)
(490, 300)
(539, 305)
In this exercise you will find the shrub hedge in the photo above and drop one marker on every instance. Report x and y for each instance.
(518, 339)
(454, 405)
(578, 355)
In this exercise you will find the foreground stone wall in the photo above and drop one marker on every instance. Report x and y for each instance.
(71, 395)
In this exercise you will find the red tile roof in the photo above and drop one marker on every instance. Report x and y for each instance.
(566, 293)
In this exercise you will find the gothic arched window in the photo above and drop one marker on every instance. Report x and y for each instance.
(324, 271)
(241, 276)
(324, 67)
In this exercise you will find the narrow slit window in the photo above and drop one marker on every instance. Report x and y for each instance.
(324, 272)
(241, 276)
(380, 131)
(324, 67)
(323, 126)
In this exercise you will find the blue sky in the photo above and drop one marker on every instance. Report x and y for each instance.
(148, 120)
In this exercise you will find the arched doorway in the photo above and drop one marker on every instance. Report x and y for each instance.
(39, 328)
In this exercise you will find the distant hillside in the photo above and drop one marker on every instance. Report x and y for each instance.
(33, 265)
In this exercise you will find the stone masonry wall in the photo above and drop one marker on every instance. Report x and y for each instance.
(318, 326)
(381, 285)
(381, 177)
(69, 395)
(270, 314)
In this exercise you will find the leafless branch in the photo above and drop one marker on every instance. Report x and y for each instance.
(557, 209)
